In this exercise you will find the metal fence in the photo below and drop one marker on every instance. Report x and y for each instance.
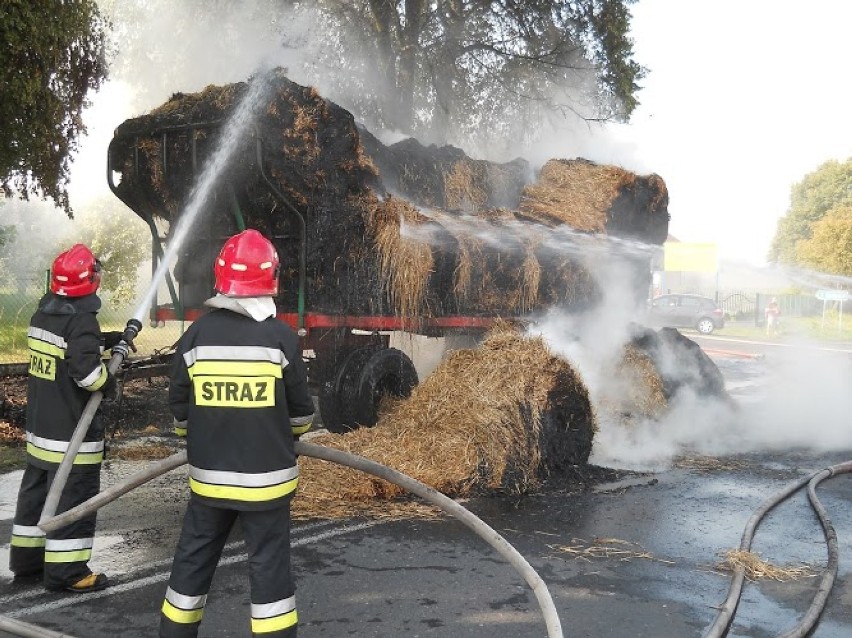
(19, 298)
(750, 305)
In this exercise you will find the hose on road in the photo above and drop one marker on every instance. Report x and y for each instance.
(720, 626)
(503, 547)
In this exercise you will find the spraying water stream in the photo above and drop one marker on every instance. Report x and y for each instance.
(233, 132)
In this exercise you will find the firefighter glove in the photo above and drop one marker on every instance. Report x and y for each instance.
(112, 341)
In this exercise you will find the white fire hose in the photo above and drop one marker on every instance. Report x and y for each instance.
(483, 530)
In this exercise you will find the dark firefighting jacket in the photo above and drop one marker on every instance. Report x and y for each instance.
(65, 347)
(238, 387)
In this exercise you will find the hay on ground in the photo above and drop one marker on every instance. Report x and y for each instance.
(755, 568)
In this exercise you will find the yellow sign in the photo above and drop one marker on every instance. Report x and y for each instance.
(686, 257)
(42, 366)
(234, 392)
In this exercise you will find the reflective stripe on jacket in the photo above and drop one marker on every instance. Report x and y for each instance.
(65, 366)
(238, 390)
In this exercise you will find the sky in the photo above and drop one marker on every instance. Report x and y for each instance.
(741, 101)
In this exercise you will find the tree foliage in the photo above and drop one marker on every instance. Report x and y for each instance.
(35, 237)
(829, 249)
(828, 187)
(455, 69)
(52, 53)
(468, 72)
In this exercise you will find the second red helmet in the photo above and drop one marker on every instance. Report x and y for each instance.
(75, 273)
(247, 266)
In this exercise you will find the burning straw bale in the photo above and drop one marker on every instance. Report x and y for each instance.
(501, 417)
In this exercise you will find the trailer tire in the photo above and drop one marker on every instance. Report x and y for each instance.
(332, 405)
(380, 372)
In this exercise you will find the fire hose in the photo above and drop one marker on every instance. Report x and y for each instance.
(720, 626)
(482, 529)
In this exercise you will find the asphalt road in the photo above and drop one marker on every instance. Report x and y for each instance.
(634, 559)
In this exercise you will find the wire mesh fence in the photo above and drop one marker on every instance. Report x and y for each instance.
(19, 297)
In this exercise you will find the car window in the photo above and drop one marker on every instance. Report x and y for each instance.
(690, 302)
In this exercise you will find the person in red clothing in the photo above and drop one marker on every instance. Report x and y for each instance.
(239, 394)
(773, 317)
(65, 367)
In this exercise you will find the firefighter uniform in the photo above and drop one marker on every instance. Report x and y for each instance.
(65, 348)
(239, 391)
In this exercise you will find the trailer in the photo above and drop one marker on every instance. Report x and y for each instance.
(360, 258)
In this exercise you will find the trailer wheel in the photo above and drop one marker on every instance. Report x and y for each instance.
(332, 406)
(377, 372)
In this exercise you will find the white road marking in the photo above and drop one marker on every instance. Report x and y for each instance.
(164, 576)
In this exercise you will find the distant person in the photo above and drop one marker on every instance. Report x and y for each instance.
(65, 368)
(773, 317)
(239, 392)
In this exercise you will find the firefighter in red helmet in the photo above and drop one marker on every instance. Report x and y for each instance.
(65, 347)
(239, 394)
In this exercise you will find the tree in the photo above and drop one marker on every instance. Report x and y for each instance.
(483, 74)
(53, 53)
(829, 249)
(460, 69)
(120, 242)
(828, 187)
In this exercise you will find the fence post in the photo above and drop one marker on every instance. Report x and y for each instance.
(756, 309)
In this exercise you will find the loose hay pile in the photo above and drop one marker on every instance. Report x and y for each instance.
(754, 568)
(473, 247)
(499, 418)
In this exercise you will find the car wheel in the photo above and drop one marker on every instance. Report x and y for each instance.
(705, 326)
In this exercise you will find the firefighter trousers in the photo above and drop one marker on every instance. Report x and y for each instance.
(205, 531)
(63, 554)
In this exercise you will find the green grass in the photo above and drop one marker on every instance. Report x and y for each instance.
(12, 457)
(15, 311)
(16, 308)
(806, 327)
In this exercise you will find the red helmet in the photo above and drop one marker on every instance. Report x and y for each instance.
(75, 273)
(247, 266)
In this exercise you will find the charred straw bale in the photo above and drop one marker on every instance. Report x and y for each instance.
(635, 390)
(501, 417)
(681, 363)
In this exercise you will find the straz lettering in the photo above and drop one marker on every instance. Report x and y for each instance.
(234, 392)
(42, 366)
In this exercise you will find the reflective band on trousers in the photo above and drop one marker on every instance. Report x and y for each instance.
(243, 486)
(275, 616)
(52, 450)
(183, 609)
(27, 536)
(71, 550)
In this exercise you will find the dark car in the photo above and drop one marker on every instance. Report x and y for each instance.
(686, 311)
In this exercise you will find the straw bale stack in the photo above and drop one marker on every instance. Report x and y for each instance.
(402, 229)
(599, 198)
(501, 417)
